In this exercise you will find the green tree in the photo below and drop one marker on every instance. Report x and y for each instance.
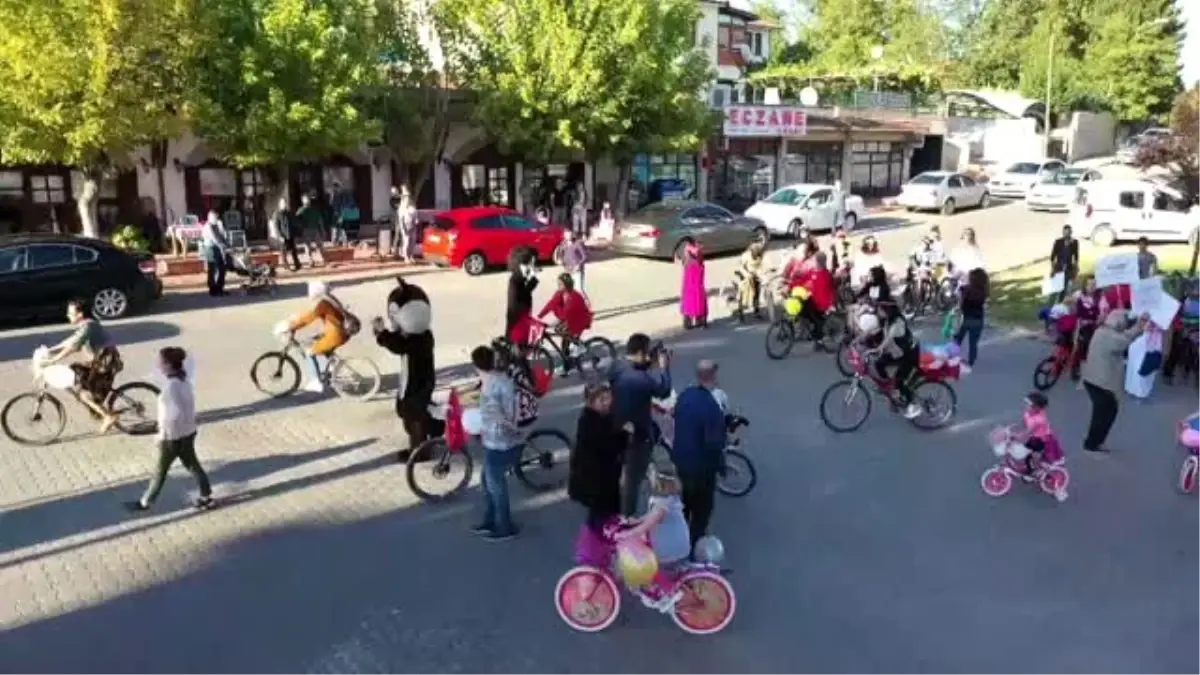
(1180, 153)
(997, 44)
(85, 84)
(1132, 57)
(279, 81)
(843, 34)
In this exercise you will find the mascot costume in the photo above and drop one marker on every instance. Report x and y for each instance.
(407, 334)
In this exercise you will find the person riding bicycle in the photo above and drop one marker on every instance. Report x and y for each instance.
(750, 276)
(822, 293)
(898, 348)
(800, 265)
(570, 307)
(94, 379)
(867, 259)
(339, 327)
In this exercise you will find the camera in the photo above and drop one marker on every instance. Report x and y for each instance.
(657, 348)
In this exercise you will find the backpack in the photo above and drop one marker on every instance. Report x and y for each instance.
(350, 320)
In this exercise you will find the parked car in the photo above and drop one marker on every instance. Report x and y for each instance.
(1109, 211)
(807, 204)
(478, 237)
(943, 191)
(1128, 152)
(1016, 180)
(40, 273)
(1056, 191)
(660, 230)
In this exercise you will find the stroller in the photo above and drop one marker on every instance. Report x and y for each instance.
(257, 276)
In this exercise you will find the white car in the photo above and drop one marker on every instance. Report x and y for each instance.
(809, 205)
(1109, 211)
(1056, 191)
(1019, 178)
(943, 191)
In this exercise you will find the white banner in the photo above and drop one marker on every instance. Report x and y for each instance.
(1145, 295)
(1118, 268)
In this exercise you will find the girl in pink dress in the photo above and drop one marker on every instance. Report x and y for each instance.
(693, 297)
(1038, 436)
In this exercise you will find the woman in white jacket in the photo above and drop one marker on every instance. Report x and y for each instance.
(968, 256)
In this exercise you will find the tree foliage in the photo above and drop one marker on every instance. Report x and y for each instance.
(281, 80)
(87, 82)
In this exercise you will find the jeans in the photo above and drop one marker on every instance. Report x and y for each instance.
(971, 328)
(577, 278)
(314, 366)
(1104, 413)
(905, 365)
(637, 463)
(215, 271)
(288, 247)
(497, 515)
(183, 449)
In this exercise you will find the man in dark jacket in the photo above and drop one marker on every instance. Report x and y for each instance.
(635, 386)
(698, 451)
(1064, 258)
(521, 284)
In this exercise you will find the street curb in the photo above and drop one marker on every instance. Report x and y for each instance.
(193, 282)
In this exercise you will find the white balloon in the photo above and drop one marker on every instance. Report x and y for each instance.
(472, 421)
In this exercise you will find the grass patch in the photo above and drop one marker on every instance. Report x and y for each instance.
(1017, 293)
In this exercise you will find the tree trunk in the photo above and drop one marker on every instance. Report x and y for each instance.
(1195, 255)
(622, 205)
(89, 196)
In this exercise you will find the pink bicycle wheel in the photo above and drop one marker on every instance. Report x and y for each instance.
(995, 482)
(1055, 481)
(587, 599)
(1187, 475)
(706, 604)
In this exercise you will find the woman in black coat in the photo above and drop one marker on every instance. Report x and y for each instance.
(596, 460)
(521, 284)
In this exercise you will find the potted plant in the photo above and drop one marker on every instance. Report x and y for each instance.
(130, 238)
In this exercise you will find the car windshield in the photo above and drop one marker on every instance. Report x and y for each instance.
(1067, 177)
(1024, 168)
(928, 179)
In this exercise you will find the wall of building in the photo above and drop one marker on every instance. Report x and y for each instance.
(1091, 135)
(995, 141)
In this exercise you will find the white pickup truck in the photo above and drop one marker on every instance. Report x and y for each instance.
(805, 204)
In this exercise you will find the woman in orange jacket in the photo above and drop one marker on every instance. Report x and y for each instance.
(333, 315)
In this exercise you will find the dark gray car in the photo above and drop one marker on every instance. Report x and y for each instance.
(659, 230)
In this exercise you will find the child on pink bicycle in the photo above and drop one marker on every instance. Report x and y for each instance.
(667, 529)
(1037, 435)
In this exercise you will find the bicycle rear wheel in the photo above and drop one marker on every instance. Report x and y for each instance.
(356, 377)
(544, 463)
(135, 405)
(839, 402)
(275, 374)
(1046, 374)
(740, 476)
(598, 358)
(35, 408)
(437, 479)
(938, 404)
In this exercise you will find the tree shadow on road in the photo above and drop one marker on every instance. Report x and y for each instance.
(266, 405)
(20, 347)
(46, 522)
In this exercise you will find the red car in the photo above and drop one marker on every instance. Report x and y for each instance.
(476, 237)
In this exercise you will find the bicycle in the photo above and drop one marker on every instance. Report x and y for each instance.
(354, 377)
(926, 384)
(594, 356)
(737, 465)
(134, 404)
(438, 456)
(1064, 357)
(785, 332)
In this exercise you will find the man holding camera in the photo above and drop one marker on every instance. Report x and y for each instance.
(635, 384)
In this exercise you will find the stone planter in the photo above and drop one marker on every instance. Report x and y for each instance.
(339, 254)
(178, 267)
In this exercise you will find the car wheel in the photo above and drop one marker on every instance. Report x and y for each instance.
(985, 201)
(851, 222)
(948, 207)
(110, 303)
(1103, 236)
(762, 236)
(677, 255)
(794, 229)
(474, 264)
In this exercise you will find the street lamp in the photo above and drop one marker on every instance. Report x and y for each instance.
(876, 54)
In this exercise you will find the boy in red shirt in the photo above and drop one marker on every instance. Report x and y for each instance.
(569, 307)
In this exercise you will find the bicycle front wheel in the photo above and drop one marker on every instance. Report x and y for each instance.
(544, 463)
(33, 418)
(740, 476)
(135, 405)
(444, 475)
(598, 358)
(845, 406)
(275, 374)
(781, 337)
(356, 378)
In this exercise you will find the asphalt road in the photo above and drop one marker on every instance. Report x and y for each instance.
(869, 552)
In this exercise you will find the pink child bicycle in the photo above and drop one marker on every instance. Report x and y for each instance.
(1049, 470)
(588, 596)
(1189, 440)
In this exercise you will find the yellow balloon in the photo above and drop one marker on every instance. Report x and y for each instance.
(637, 563)
(793, 306)
(800, 292)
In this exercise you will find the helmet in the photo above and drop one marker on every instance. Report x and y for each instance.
(868, 324)
(317, 288)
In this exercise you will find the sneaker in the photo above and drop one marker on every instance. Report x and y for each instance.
(657, 599)
(204, 503)
(481, 529)
(313, 386)
(492, 535)
(135, 507)
(912, 412)
(964, 369)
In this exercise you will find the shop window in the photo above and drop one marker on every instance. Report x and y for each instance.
(878, 168)
(341, 175)
(723, 37)
(655, 177)
(497, 178)
(218, 188)
(12, 184)
(48, 189)
(808, 162)
(474, 183)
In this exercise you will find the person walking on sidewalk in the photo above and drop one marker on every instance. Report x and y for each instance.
(574, 257)
(216, 248)
(501, 439)
(284, 224)
(971, 305)
(406, 223)
(176, 431)
(311, 226)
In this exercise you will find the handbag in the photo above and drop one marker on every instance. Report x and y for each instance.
(1151, 362)
(349, 214)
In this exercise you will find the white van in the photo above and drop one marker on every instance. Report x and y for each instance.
(1108, 211)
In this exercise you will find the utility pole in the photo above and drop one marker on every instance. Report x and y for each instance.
(1049, 88)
